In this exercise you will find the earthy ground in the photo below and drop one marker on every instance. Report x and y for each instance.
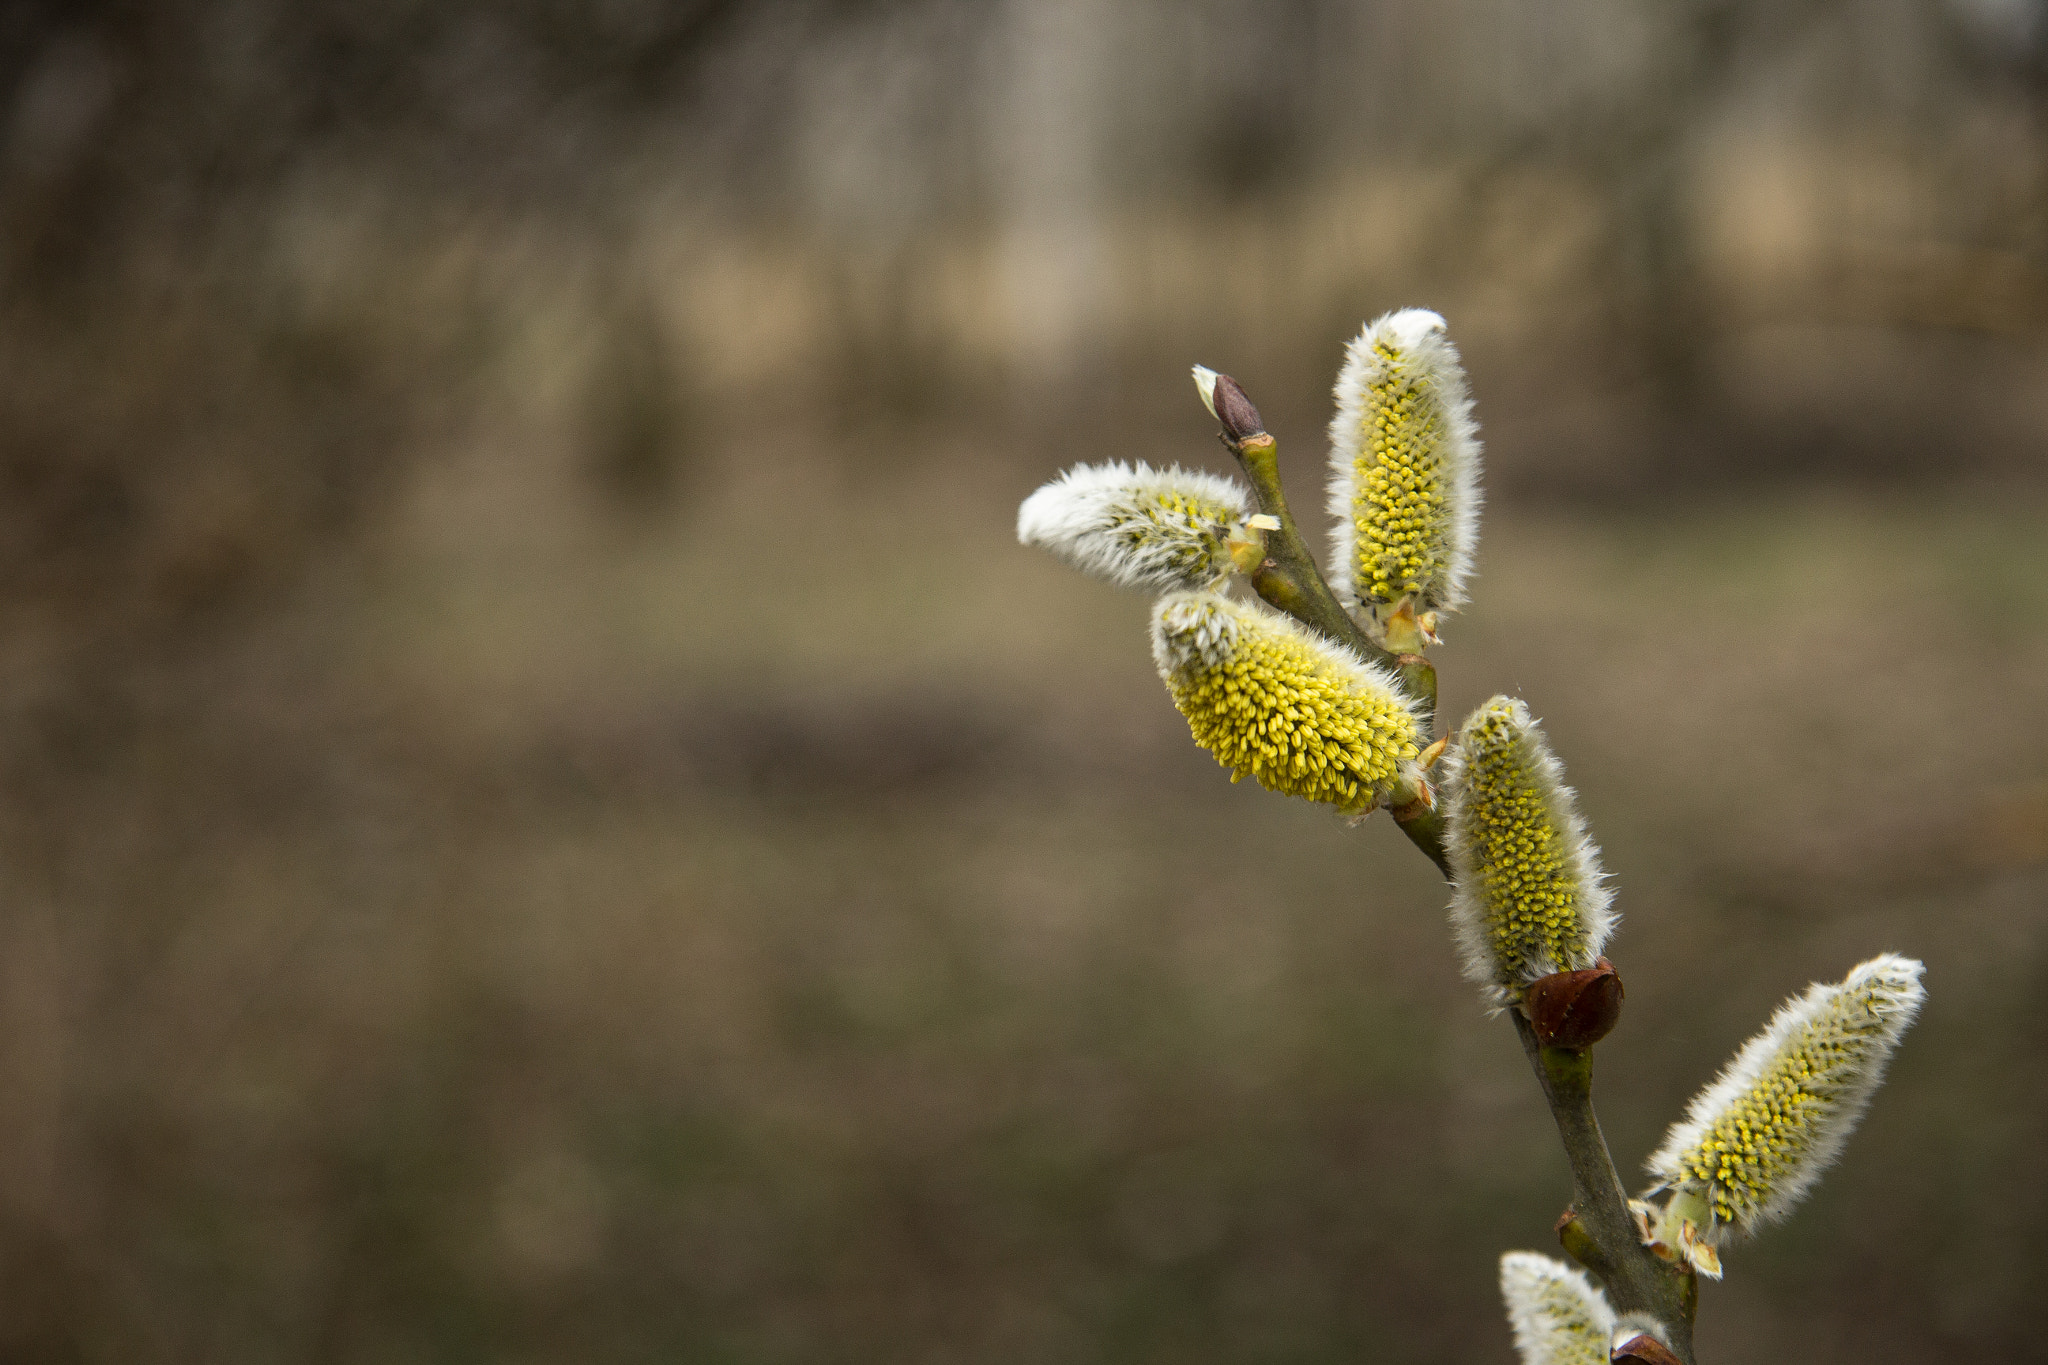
(798, 929)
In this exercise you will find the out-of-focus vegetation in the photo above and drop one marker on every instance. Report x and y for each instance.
(544, 817)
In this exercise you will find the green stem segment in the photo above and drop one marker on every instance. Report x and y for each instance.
(1422, 820)
(1289, 579)
(1418, 680)
(1598, 1230)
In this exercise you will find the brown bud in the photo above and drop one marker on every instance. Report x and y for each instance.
(1241, 421)
(1577, 1241)
(1575, 1009)
(1643, 1349)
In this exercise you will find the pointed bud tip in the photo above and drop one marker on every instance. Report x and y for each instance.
(1575, 1009)
(1226, 402)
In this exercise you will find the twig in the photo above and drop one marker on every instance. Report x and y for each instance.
(1290, 581)
(1598, 1230)
(1289, 578)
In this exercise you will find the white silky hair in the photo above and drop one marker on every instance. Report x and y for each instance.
(1078, 516)
(1533, 1286)
(1195, 628)
(1422, 338)
(1894, 983)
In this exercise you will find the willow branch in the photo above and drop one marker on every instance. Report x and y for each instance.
(1289, 580)
(1598, 1230)
(1418, 679)
(1416, 811)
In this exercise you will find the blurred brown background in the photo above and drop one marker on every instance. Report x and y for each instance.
(545, 817)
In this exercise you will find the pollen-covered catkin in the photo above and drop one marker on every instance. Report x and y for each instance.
(1558, 1316)
(1273, 700)
(1755, 1141)
(1404, 477)
(1528, 897)
(1140, 527)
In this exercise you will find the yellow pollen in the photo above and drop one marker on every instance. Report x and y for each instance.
(1769, 1129)
(1399, 509)
(1275, 709)
(1192, 531)
(1576, 1339)
(1528, 882)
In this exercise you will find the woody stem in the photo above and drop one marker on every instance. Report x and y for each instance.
(1598, 1230)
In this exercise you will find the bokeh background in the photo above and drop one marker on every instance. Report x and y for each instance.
(545, 817)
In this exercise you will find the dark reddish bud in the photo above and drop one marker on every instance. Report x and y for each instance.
(1644, 1349)
(1241, 421)
(1575, 1009)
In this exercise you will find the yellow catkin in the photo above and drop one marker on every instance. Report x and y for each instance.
(1558, 1317)
(1400, 514)
(1529, 898)
(1187, 534)
(1577, 1338)
(1758, 1138)
(1139, 527)
(1404, 479)
(1274, 703)
(1532, 899)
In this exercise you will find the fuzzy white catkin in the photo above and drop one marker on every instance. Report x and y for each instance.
(1558, 1316)
(1528, 895)
(1137, 526)
(1404, 469)
(1755, 1141)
